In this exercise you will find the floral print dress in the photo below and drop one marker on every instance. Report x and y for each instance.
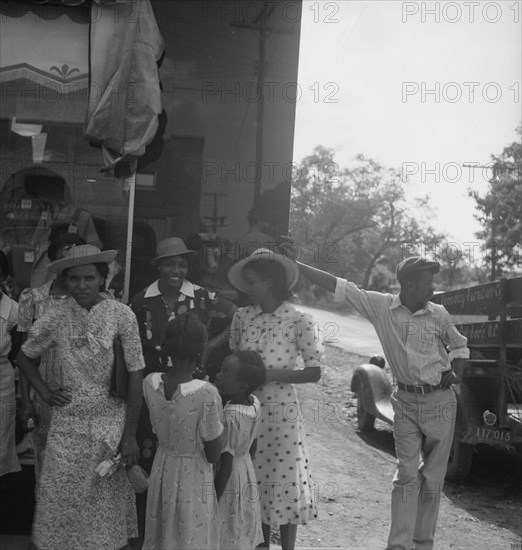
(182, 509)
(8, 460)
(281, 462)
(77, 509)
(33, 304)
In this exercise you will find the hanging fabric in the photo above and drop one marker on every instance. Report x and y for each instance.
(124, 95)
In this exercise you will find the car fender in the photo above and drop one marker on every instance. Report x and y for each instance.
(373, 387)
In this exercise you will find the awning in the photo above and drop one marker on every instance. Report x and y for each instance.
(46, 74)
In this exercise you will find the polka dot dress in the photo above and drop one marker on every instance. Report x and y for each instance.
(282, 468)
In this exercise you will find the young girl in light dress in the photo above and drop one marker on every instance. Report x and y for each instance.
(182, 509)
(236, 484)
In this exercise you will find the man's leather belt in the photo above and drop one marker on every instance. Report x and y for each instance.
(425, 388)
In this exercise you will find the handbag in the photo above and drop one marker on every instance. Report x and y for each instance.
(119, 375)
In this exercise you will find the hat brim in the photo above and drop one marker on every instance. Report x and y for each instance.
(189, 253)
(104, 257)
(235, 273)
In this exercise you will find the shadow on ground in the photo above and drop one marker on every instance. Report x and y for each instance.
(493, 491)
(379, 438)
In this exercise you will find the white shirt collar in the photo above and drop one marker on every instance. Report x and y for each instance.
(397, 302)
(250, 411)
(284, 311)
(187, 288)
(186, 388)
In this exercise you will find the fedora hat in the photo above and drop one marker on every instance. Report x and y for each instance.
(235, 273)
(173, 246)
(82, 254)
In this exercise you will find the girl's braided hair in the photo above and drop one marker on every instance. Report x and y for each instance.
(185, 337)
(253, 370)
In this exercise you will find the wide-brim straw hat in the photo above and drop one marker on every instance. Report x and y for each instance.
(83, 254)
(173, 246)
(237, 279)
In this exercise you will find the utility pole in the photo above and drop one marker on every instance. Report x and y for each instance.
(260, 25)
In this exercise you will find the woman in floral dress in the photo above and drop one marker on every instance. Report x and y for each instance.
(281, 334)
(33, 304)
(8, 316)
(77, 509)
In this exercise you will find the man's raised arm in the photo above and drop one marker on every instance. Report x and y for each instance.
(318, 277)
(289, 249)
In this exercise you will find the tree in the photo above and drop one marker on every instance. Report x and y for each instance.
(325, 207)
(500, 211)
(358, 216)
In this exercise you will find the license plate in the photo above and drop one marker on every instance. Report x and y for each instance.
(492, 436)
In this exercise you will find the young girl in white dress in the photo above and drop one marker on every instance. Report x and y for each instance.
(236, 483)
(182, 509)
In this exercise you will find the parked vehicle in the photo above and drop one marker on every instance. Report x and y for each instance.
(489, 395)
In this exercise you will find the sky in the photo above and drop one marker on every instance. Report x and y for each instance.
(424, 87)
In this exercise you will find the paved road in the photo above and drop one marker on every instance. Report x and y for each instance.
(348, 332)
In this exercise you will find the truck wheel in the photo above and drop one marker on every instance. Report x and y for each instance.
(459, 461)
(364, 419)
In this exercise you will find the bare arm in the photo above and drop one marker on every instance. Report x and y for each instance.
(213, 450)
(24, 383)
(223, 475)
(25, 392)
(130, 451)
(300, 376)
(318, 277)
(58, 397)
(220, 338)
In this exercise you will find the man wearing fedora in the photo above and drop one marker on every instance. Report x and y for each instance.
(172, 294)
(422, 347)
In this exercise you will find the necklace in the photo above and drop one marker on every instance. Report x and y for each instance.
(169, 309)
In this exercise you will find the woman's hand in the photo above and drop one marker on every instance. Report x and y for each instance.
(28, 416)
(130, 450)
(58, 397)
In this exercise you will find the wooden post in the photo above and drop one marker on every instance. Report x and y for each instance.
(502, 356)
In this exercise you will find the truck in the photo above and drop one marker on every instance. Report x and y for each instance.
(489, 389)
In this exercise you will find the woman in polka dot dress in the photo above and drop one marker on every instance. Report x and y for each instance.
(281, 334)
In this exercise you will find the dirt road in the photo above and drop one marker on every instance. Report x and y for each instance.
(352, 473)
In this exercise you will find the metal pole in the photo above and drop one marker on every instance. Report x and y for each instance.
(131, 183)
(260, 115)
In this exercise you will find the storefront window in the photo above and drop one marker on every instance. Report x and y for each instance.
(51, 184)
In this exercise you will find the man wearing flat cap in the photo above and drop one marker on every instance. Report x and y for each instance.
(421, 344)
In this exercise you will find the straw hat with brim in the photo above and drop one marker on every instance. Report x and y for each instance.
(83, 254)
(235, 273)
(173, 246)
